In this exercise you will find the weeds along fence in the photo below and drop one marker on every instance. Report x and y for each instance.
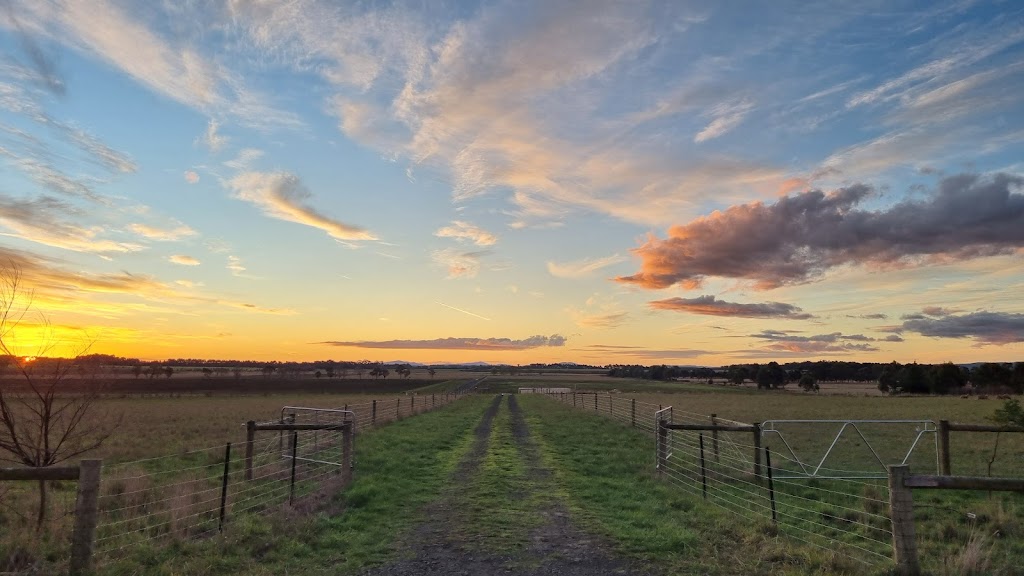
(144, 504)
(726, 466)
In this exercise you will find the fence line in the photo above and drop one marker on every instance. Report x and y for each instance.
(847, 517)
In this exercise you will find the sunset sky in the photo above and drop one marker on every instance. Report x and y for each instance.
(601, 182)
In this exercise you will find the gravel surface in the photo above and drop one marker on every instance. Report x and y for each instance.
(441, 546)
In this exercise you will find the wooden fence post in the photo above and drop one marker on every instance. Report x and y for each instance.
(250, 445)
(346, 453)
(703, 469)
(901, 511)
(633, 412)
(433, 401)
(86, 513)
(771, 483)
(714, 437)
(373, 414)
(413, 409)
(944, 459)
(757, 452)
(595, 401)
(610, 403)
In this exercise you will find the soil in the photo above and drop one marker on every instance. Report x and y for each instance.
(557, 546)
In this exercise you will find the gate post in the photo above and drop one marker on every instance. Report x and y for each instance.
(346, 453)
(757, 453)
(662, 447)
(86, 512)
(944, 459)
(714, 437)
(901, 511)
(250, 440)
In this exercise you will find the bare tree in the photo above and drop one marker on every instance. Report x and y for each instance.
(45, 418)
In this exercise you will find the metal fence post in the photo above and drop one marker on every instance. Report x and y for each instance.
(901, 511)
(86, 513)
(224, 485)
(944, 458)
(250, 441)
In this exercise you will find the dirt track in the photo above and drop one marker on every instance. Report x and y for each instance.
(444, 545)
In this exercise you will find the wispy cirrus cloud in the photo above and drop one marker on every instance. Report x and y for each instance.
(163, 234)
(985, 328)
(582, 268)
(244, 159)
(459, 263)
(282, 195)
(479, 344)
(462, 230)
(801, 237)
(183, 260)
(711, 306)
(726, 117)
(46, 220)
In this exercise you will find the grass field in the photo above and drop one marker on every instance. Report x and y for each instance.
(603, 470)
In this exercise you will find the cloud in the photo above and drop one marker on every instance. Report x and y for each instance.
(104, 155)
(605, 350)
(726, 117)
(244, 159)
(212, 138)
(479, 344)
(282, 195)
(183, 260)
(582, 268)
(459, 263)
(44, 220)
(710, 306)
(191, 177)
(874, 316)
(599, 320)
(834, 343)
(466, 231)
(936, 311)
(801, 237)
(235, 265)
(163, 234)
(997, 328)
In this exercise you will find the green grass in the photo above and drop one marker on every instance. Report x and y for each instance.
(399, 469)
(605, 473)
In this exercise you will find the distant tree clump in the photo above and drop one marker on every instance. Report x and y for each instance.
(809, 383)
(770, 375)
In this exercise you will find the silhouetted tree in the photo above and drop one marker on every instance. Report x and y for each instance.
(946, 378)
(808, 382)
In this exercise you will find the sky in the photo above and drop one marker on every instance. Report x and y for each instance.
(698, 183)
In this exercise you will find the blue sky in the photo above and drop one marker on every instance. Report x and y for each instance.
(602, 182)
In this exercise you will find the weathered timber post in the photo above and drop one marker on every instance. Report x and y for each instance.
(757, 452)
(573, 399)
(771, 483)
(901, 511)
(662, 447)
(610, 403)
(398, 409)
(295, 454)
(224, 486)
(703, 469)
(347, 436)
(373, 414)
(433, 401)
(633, 412)
(944, 458)
(595, 401)
(86, 513)
(412, 410)
(250, 442)
(714, 437)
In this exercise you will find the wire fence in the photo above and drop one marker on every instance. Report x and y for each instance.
(195, 494)
(729, 470)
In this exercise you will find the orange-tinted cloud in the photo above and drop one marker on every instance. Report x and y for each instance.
(799, 238)
(482, 344)
(710, 306)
